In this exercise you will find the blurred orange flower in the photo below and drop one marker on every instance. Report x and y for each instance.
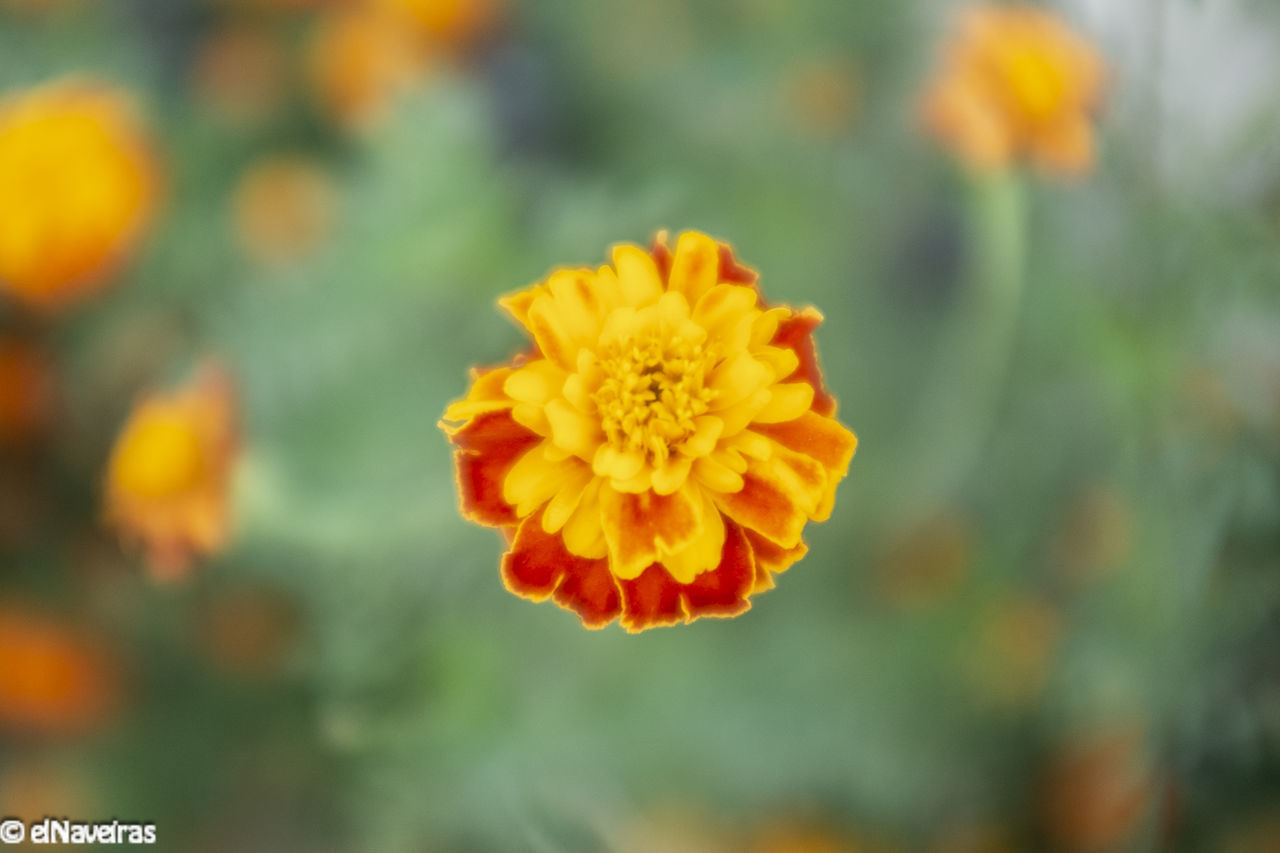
(78, 184)
(657, 453)
(55, 679)
(26, 389)
(359, 59)
(447, 25)
(1017, 82)
(283, 209)
(1098, 790)
(169, 475)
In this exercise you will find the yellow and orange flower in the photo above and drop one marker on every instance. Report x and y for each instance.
(1016, 82)
(658, 452)
(78, 185)
(169, 476)
(55, 678)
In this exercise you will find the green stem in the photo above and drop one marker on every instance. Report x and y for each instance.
(958, 406)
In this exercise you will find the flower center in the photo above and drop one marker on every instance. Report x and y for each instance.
(161, 457)
(1036, 85)
(653, 389)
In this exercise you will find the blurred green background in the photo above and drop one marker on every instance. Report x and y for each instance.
(1046, 612)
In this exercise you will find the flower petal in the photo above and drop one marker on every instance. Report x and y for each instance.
(572, 430)
(787, 401)
(727, 312)
(566, 500)
(616, 464)
(640, 528)
(637, 275)
(703, 553)
(485, 395)
(538, 565)
(582, 533)
(822, 439)
(655, 598)
(778, 496)
(796, 333)
(772, 559)
(488, 447)
(695, 268)
(535, 478)
(671, 474)
(716, 476)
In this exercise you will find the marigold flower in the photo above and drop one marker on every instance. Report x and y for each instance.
(658, 452)
(1017, 82)
(78, 184)
(55, 679)
(168, 478)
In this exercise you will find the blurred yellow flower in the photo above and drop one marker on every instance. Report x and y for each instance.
(359, 59)
(78, 184)
(658, 452)
(283, 209)
(55, 679)
(1016, 82)
(169, 475)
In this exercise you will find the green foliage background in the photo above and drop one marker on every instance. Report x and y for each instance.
(421, 707)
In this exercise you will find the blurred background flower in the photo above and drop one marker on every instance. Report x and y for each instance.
(1044, 612)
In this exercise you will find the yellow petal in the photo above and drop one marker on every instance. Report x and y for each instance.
(787, 401)
(695, 269)
(582, 533)
(572, 430)
(766, 325)
(533, 480)
(517, 304)
(738, 416)
(536, 382)
(716, 476)
(566, 500)
(706, 433)
(616, 464)
(704, 552)
(727, 312)
(736, 379)
(671, 474)
(783, 362)
(637, 275)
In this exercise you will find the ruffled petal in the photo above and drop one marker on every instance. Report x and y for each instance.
(778, 495)
(695, 269)
(655, 598)
(772, 559)
(488, 446)
(637, 275)
(796, 333)
(640, 528)
(822, 439)
(538, 565)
